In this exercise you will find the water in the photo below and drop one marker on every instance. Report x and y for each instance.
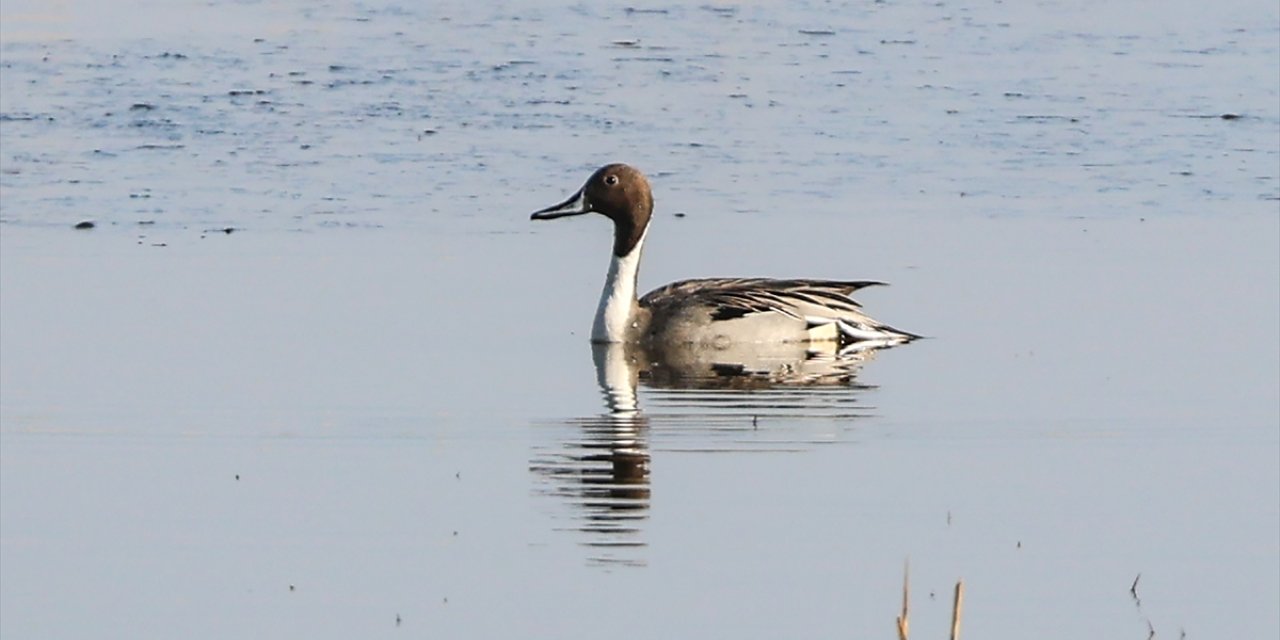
(371, 409)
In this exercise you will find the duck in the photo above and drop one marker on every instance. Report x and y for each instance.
(714, 313)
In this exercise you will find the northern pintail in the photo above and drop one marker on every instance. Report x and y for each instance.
(709, 312)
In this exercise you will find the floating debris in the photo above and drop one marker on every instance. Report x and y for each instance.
(1048, 118)
(84, 224)
(1216, 116)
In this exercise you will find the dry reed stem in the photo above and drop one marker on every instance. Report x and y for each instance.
(956, 609)
(903, 623)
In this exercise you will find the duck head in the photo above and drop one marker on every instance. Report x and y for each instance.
(617, 191)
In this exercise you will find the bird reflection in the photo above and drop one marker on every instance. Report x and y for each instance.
(776, 398)
(752, 366)
(603, 470)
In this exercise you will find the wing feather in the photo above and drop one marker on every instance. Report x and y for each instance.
(816, 302)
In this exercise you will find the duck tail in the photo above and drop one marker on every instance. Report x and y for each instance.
(874, 334)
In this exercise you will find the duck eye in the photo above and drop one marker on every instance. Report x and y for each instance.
(611, 179)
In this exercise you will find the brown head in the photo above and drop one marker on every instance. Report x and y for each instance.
(617, 191)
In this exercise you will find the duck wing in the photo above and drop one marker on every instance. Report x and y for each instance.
(816, 302)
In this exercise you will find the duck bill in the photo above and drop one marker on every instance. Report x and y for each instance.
(576, 205)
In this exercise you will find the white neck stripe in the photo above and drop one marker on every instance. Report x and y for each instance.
(618, 299)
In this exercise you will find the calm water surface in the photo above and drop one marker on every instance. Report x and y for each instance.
(315, 374)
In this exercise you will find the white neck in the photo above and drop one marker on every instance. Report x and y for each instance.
(618, 300)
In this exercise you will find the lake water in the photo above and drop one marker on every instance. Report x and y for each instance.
(314, 373)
